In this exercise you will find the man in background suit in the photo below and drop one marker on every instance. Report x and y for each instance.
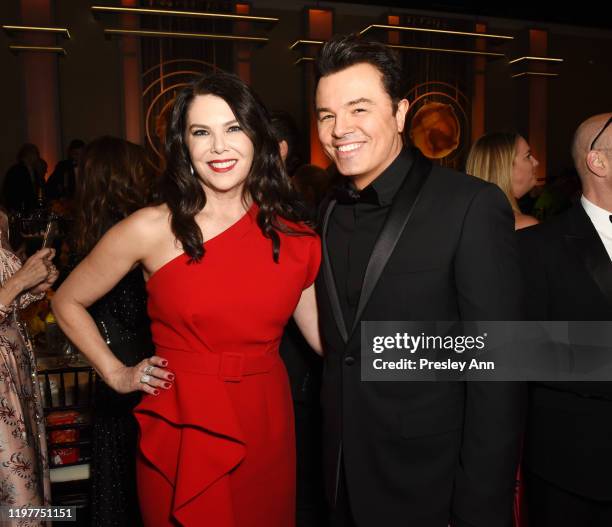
(61, 182)
(568, 273)
(405, 240)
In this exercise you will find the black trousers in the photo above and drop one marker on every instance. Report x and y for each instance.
(341, 515)
(310, 498)
(552, 506)
(304, 369)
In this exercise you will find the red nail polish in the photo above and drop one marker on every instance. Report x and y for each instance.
(155, 392)
(166, 385)
(164, 363)
(171, 377)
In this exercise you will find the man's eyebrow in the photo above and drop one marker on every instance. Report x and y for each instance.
(361, 100)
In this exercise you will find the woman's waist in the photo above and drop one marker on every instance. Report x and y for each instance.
(229, 365)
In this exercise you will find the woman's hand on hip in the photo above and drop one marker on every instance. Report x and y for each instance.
(148, 376)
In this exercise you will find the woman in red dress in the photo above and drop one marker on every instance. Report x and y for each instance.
(228, 259)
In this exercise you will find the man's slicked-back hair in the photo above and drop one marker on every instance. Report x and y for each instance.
(344, 51)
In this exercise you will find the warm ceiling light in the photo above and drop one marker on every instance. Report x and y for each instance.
(305, 42)
(535, 59)
(178, 34)
(45, 49)
(535, 74)
(450, 50)
(60, 30)
(303, 59)
(413, 48)
(437, 31)
(190, 14)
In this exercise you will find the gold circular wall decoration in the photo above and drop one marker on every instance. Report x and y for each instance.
(161, 84)
(435, 130)
(437, 122)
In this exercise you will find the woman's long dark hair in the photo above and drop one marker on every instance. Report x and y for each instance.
(114, 179)
(267, 181)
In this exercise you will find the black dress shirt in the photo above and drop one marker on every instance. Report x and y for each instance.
(354, 227)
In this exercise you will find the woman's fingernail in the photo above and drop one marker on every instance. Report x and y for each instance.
(164, 363)
(170, 377)
(155, 392)
(166, 385)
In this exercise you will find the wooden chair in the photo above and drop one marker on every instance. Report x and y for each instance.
(67, 400)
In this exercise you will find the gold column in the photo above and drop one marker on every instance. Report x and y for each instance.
(243, 50)
(538, 104)
(320, 27)
(40, 84)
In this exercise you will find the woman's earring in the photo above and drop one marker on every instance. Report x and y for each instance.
(191, 169)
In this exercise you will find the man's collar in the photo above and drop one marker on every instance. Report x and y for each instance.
(388, 183)
(383, 189)
(599, 217)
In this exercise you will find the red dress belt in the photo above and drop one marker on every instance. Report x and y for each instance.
(229, 366)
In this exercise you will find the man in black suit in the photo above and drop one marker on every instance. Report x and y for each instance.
(61, 182)
(568, 273)
(406, 240)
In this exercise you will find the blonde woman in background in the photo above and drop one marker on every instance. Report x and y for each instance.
(504, 158)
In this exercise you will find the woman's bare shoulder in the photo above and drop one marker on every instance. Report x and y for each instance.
(149, 219)
(143, 227)
(154, 213)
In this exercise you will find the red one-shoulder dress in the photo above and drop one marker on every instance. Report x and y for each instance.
(217, 449)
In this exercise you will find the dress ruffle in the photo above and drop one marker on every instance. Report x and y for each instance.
(176, 424)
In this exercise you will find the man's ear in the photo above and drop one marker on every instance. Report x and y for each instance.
(284, 149)
(596, 162)
(400, 115)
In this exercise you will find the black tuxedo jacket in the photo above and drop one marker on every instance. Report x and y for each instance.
(568, 276)
(61, 182)
(420, 453)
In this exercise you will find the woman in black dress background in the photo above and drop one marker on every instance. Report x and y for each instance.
(115, 179)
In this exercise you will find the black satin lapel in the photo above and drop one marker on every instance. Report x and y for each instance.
(586, 243)
(330, 282)
(401, 211)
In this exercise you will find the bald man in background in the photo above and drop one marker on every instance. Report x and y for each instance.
(567, 265)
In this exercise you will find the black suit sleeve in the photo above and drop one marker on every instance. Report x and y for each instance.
(54, 185)
(488, 281)
(535, 292)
